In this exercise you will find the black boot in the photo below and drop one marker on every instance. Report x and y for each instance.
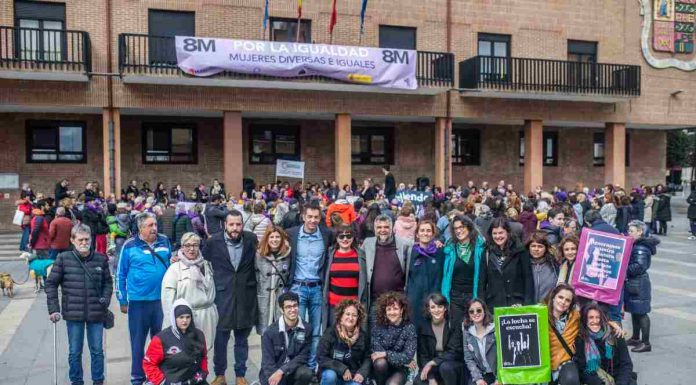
(642, 348)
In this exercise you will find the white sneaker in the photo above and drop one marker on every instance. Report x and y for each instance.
(691, 237)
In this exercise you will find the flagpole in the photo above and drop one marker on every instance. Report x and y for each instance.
(299, 22)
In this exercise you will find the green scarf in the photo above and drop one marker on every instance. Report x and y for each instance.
(464, 251)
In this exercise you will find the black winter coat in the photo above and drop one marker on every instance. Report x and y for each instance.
(235, 290)
(214, 217)
(691, 200)
(332, 353)
(96, 221)
(664, 209)
(181, 225)
(637, 288)
(427, 344)
(276, 354)
(82, 299)
(512, 283)
(620, 366)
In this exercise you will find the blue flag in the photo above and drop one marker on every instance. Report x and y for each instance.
(265, 15)
(362, 16)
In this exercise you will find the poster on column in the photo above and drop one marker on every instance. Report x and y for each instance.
(601, 261)
(522, 344)
(290, 169)
(384, 67)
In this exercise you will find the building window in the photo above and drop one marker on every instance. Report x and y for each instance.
(169, 143)
(628, 150)
(495, 60)
(372, 145)
(42, 35)
(56, 142)
(598, 143)
(272, 142)
(397, 37)
(466, 147)
(550, 149)
(598, 149)
(581, 71)
(285, 30)
(162, 27)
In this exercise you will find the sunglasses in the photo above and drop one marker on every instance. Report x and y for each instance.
(475, 311)
(342, 237)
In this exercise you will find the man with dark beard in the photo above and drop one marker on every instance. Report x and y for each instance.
(232, 254)
(388, 258)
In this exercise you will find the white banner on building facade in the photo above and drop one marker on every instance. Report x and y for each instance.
(290, 169)
(384, 67)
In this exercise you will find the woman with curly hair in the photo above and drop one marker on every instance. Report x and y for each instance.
(394, 340)
(344, 349)
(601, 356)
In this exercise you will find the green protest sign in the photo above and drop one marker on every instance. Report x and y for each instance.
(522, 344)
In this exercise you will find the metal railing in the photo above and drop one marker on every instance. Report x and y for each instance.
(45, 49)
(542, 75)
(156, 55)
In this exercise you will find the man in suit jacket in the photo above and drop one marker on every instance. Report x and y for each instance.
(309, 243)
(232, 254)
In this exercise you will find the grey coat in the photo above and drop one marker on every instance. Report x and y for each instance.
(271, 277)
(362, 284)
(472, 354)
(403, 252)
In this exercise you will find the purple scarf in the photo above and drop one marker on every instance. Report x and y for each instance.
(429, 251)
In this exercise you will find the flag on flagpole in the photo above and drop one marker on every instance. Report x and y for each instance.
(334, 16)
(265, 15)
(362, 16)
(299, 9)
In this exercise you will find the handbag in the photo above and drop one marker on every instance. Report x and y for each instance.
(109, 318)
(18, 219)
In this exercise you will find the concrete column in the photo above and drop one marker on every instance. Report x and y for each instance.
(233, 155)
(443, 131)
(533, 154)
(111, 136)
(343, 161)
(615, 154)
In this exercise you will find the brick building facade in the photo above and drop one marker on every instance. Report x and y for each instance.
(329, 124)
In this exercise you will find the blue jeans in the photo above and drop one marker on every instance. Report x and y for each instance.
(53, 253)
(241, 351)
(144, 317)
(76, 339)
(329, 377)
(26, 230)
(310, 302)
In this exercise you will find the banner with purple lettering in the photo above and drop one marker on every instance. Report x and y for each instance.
(384, 67)
(601, 264)
(522, 344)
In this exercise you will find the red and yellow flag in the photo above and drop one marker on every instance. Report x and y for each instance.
(299, 9)
(334, 16)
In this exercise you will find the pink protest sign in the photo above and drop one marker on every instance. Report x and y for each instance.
(601, 264)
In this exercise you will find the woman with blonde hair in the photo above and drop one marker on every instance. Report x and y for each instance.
(272, 272)
(191, 278)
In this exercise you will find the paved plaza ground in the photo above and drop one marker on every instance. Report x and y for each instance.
(26, 335)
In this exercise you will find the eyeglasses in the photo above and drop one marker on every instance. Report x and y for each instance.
(475, 311)
(342, 237)
(293, 306)
(190, 245)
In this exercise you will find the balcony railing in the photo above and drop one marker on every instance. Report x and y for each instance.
(552, 76)
(156, 55)
(44, 49)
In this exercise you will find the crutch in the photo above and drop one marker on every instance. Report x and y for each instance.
(55, 351)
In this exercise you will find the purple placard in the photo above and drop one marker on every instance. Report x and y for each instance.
(602, 260)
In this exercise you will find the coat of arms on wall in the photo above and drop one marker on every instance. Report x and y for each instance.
(673, 27)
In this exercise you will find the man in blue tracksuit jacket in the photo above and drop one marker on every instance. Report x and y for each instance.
(139, 280)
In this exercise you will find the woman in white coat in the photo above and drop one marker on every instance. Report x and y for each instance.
(191, 278)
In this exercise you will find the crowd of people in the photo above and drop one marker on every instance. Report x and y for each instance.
(344, 284)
